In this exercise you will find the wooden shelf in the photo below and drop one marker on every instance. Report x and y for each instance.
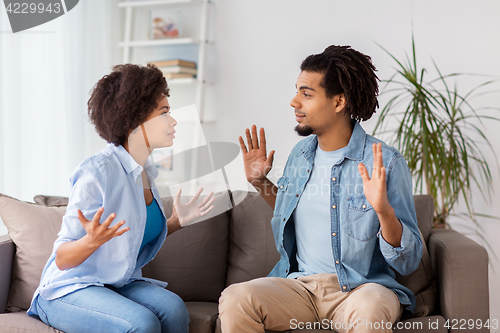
(158, 42)
(126, 4)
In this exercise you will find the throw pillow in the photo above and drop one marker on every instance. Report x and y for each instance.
(33, 229)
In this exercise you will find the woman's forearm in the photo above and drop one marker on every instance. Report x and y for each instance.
(73, 253)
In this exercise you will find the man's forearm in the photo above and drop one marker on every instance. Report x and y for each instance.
(267, 190)
(391, 228)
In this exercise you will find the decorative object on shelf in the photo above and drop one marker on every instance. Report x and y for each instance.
(437, 133)
(165, 27)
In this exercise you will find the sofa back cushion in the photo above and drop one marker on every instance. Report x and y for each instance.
(33, 229)
(193, 260)
(252, 252)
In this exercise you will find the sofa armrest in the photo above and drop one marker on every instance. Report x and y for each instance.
(461, 267)
(6, 256)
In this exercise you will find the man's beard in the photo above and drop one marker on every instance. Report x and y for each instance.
(303, 130)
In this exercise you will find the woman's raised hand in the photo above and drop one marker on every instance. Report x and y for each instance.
(257, 165)
(188, 213)
(100, 233)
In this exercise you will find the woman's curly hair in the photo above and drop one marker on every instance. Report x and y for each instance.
(123, 100)
(347, 71)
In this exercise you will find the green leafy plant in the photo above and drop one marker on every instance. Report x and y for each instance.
(439, 133)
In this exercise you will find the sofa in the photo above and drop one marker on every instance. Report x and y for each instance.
(236, 244)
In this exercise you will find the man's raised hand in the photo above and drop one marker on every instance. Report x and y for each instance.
(257, 165)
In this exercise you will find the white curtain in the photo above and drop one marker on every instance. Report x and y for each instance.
(46, 74)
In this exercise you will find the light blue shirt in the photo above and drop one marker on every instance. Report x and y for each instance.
(111, 179)
(360, 253)
(312, 218)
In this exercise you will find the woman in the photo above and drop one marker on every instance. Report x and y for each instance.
(92, 282)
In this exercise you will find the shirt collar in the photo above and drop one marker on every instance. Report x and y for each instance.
(130, 165)
(354, 147)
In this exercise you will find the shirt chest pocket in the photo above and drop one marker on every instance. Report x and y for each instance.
(362, 221)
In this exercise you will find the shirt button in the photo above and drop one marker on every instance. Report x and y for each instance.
(307, 170)
(286, 271)
(334, 206)
(364, 206)
(334, 179)
(337, 262)
(283, 219)
(344, 287)
(281, 186)
(334, 234)
(296, 195)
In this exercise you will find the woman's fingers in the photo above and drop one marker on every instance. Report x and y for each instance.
(109, 220)
(205, 206)
(203, 202)
(205, 212)
(196, 196)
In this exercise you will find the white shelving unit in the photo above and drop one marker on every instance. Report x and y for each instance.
(202, 40)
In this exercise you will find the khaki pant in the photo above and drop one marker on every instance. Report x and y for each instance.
(311, 302)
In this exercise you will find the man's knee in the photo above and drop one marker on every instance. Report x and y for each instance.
(373, 303)
(239, 297)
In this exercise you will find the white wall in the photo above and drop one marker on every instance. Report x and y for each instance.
(260, 44)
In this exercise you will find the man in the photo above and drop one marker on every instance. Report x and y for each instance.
(339, 227)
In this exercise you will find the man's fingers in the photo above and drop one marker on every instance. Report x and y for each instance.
(263, 140)
(249, 139)
(82, 217)
(363, 172)
(270, 159)
(243, 146)
(255, 141)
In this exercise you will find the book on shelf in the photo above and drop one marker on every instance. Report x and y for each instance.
(177, 76)
(178, 69)
(173, 62)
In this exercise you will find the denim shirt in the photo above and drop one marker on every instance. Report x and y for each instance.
(111, 179)
(360, 253)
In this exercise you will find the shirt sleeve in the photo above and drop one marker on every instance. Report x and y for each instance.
(87, 194)
(405, 258)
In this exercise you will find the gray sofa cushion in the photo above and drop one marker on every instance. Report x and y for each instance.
(193, 260)
(252, 252)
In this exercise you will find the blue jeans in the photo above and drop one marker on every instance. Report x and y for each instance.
(137, 307)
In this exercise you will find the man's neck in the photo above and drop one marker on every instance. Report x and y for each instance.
(337, 137)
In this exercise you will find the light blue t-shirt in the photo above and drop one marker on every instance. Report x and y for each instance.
(312, 218)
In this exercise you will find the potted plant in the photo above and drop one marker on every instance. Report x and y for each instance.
(437, 133)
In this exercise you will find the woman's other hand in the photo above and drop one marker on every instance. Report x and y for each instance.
(188, 213)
